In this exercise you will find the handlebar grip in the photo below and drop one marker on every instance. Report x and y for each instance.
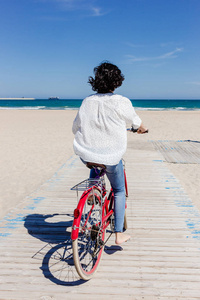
(135, 130)
(132, 129)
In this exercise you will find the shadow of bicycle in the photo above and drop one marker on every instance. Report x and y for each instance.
(58, 265)
(56, 255)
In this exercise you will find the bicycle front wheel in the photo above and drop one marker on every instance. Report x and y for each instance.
(88, 247)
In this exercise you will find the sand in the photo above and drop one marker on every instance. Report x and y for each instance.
(35, 143)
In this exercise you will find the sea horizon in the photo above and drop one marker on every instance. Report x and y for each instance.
(74, 104)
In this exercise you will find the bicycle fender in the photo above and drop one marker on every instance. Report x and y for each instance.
(78, 213)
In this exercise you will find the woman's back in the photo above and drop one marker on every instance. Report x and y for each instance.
(100, 128)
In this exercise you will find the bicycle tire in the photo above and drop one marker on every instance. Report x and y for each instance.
(89, 245)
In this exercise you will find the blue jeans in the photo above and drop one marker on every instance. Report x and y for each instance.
(115, 175)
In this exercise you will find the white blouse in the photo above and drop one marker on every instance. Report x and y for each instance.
(100, 128)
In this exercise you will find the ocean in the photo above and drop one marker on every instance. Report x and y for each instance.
(65, 104)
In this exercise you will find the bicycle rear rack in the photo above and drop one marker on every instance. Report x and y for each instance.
(87, 183)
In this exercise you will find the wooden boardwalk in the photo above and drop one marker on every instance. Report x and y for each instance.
(181, 152)
(162, 260)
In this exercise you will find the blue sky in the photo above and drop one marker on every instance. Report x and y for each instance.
(50, 47)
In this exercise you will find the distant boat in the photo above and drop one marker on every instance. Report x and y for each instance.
(53, 98)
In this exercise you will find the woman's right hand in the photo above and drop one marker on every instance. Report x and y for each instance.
(142, 129)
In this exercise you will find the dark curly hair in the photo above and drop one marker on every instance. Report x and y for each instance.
(108, 77)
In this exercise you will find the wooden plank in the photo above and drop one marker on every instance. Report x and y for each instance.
(186, 152)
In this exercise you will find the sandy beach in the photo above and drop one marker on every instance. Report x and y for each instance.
(35, 143)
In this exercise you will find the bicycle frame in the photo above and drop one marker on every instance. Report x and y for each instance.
(94, 213)
(107, 207)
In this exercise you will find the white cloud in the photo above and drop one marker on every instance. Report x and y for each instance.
(172, 54)
(194, 82)
(88, 6)
(97, 11)
(72, 4)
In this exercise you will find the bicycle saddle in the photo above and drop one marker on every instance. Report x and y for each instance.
(91, 165)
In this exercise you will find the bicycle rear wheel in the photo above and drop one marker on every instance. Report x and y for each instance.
(88, 247)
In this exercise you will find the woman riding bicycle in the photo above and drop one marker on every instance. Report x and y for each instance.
(101, 135)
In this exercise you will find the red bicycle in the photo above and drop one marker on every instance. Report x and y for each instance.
(93, 215)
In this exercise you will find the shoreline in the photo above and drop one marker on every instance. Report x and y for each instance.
(74, 104)
(138, 109)
(35, 143)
